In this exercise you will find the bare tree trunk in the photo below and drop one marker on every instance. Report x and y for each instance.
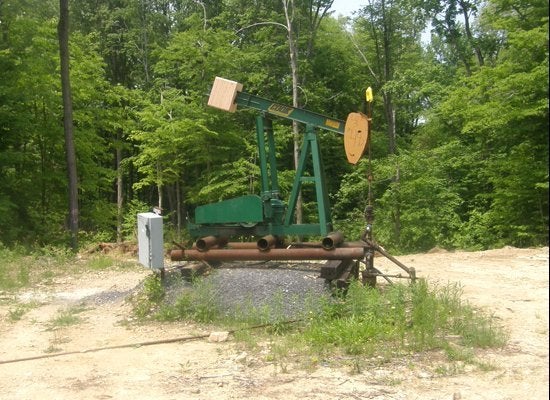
(70, 153)
(397, 212)
(389, 112)
(288, 6)
(178, 209)
(465, 6)
(389, 107)
(159, 185)
(119, 198)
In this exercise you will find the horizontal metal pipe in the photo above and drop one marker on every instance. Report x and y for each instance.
(242, 245)
(271, 254)
(266, 242)
(332, 240)
(207, 242)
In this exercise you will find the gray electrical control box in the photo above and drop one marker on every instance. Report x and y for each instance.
(150, 240)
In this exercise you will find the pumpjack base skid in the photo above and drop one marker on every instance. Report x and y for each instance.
(342, 258)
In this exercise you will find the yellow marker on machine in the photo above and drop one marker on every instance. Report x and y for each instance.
(368, 95)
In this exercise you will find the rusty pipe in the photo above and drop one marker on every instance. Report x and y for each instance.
(332, 240)
(270, 254)
(207, 242)
(266, 242)
(242, 245)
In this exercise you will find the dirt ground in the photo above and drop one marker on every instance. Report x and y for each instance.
(511, 283)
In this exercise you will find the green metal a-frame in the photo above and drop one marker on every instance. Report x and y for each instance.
(267, 214)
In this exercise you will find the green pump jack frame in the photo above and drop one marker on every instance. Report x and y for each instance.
(267, 214)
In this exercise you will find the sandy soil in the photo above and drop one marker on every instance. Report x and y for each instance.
(511, 283)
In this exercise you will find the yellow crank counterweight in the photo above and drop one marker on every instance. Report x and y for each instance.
(356, 132)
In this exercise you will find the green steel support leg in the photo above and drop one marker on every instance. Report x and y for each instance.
(311, 147)
(297, 185)
(323, 205)
(271, 157)
(264, 130)
(261, 152)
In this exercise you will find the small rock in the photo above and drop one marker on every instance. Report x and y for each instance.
(241, 358)
(218, 336)
(457, 396)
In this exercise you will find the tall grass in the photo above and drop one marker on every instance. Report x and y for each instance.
(389, 321)
(400, 319)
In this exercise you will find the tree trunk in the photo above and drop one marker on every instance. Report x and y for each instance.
(466, 15)
(288, 6)
(397, 214)
(70, 153)
(389, 107)
(389, 111)
(178, 209)
(119, 182)
(159, 186)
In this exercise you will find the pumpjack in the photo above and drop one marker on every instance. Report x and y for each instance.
(270, 219)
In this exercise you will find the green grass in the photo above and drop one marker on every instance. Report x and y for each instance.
(17, 313)
(402, 318)
(67, 317)
(364, 323)
(21, 268)
(99, 262)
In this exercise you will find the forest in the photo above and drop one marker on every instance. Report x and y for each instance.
(458, 152)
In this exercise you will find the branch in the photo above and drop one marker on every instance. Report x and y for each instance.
(364, 57)
(199, 2)
(262, 23)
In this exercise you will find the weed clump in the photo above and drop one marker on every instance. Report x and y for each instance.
(401, 319)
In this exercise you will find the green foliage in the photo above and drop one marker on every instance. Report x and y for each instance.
(17, 313)
(99, 263)
(419, 206)
(199, 303)
(475, 174)
(471, 116)
(149, 298)
(504, 124)
(129, 223)
(400, 319)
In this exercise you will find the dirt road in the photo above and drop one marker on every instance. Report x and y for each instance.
(511, 283)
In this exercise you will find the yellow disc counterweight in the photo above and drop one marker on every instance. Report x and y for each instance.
(356, 136)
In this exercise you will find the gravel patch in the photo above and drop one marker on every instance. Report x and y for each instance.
(273, 289)
(109, 297)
